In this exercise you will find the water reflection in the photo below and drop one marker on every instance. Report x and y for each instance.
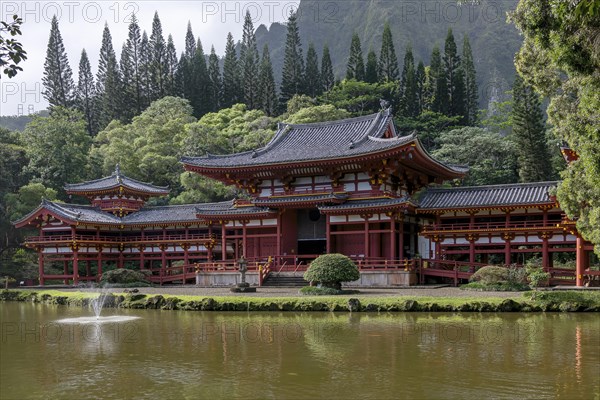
(295, 355)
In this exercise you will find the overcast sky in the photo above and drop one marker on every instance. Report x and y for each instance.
(81, 24)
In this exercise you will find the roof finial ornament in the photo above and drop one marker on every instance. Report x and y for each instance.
(384, 104)
(118, 172)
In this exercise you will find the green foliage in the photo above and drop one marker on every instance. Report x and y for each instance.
(27, 199)
(371, 73)
(529, 133)
(408, 87)
(231, 78)
(267, 90)
(312, 75)
(470, 85)
(249, 64)
(356, 64)
(490, 275)
(327, 77)
(125, 276)
(388, 62)
(85, 95)
(325, 291)
(325, 112)
(150, 146)
(57, 147)
(293, 64)
(330, 270)
(58, 77)
(454, 77)
(108, 81)
(491, 157)
(12, 50)
(428, 126)
(560, 58)
(535, 274)
(360, 98)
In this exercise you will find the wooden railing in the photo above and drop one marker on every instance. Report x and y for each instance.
(482, 226)
(117, 239)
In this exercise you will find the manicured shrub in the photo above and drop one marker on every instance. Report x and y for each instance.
(330, 270)
(125, 276)
(490, 275)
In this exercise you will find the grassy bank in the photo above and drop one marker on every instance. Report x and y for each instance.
(564, 301)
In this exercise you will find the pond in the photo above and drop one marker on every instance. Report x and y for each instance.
(191, 355)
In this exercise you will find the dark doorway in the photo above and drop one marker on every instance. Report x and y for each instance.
(312, 246)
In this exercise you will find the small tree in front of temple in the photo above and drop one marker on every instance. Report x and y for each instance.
(330, 270)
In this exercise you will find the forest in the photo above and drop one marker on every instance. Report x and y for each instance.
(153, 106)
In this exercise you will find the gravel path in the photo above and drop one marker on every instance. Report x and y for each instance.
(433, 291)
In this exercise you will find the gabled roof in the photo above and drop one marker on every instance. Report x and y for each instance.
(115, 181)
(229, 208)
(306, 142)
(382, 204)
(487, 196)
(73, 213)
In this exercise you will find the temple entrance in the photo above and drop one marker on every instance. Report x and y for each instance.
(312, 229)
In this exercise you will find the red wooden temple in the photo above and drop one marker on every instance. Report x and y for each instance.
(352, 186)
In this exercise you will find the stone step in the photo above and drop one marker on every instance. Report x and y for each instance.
(295, 281)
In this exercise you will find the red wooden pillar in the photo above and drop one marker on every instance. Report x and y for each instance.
(163, 257)
(328, 234)
(367, 236)
(99, 262)
(88, 270)
(401, 239)
(392, 255)
(186, 253)
(507, 252)
(141, 249)
(580, 261)
(41, 265)
(472, 240)
(244, 239)
(279, 222)
(65, 271)
(545, 252)
(75, 266)
(223, 241)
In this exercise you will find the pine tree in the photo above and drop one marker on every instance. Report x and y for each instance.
(214, 76)
(470, 85)
(408, 86)
(108, 82)
(293, 64)
(327, 77)
(158, 60)
(231, 81)
(58, 77)
(127, 105)
(266, 86)
(312, 74)
(85, 95)
(356, 64)
(454, 77)
(388, 62)
(421, 88)
(145, 72)
(371, 75)
(439, 91)
(131, 69)
(529, 134)
(172, 65)
(200, 102)
(249, 64)
(187, 65)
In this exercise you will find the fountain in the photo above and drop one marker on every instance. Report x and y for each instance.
(97, 305)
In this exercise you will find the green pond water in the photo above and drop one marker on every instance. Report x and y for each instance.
(198, 355)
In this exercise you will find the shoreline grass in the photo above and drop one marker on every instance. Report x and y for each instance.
(565, 301)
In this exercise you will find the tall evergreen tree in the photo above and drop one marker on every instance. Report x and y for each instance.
(421, 88)
(158, 60)
(437, 75)
(188, 77)
(470, 85)
(312, 74)
(529, 134)
(293, 64)
(327, 77)
(145, 71)
(85, 95)
(214, 76)
(408, 86)
(267, 90)
(371, 75)
(454, 77)
(58, 77)
(127, 100)
(249, 60)
(356, 64)
(200, 101)
(172, 64)
(131, 69)
(231, 80)
(388, 62)
(108, 82)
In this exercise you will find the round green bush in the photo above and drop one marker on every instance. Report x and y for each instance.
(124, 276)
(330, 270)
(490, 275)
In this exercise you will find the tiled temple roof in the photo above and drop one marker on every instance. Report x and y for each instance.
(317, 141)
(310, 199)
(487, 196)
(114, 181)
(368, 203)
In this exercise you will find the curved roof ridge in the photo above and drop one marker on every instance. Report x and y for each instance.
(333, 122)
(495, 186)
(69, 185)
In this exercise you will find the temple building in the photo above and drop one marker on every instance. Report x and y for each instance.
(352, 186)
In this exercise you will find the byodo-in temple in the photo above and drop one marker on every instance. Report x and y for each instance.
(352, 186)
